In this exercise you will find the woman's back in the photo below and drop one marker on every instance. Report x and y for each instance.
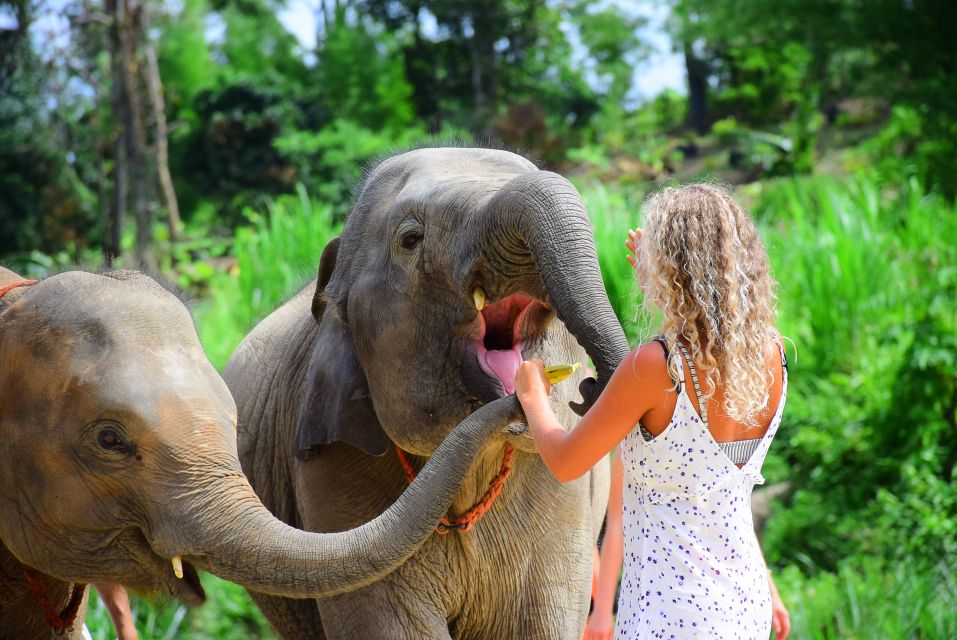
(692, 563)
(723, 427)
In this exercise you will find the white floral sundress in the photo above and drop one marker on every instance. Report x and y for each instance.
(692, 565)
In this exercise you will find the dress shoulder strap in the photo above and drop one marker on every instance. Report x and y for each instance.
(784, 357)
(694, 379)
(664, 344)
(664, 347)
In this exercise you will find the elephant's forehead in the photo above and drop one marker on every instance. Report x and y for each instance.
(463, 161)
(448, 197)
(436, 172)
(153, 382)
(103, 310)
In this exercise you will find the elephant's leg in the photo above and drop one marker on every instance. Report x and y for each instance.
(599, 483)
(383, 610)
(556, 592)
(292, 619)
(552, 608)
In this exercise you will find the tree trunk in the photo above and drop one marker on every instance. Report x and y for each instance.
(106, 207)
(327, 18)
(475, 61)
(697, 90)
(113, 248)
(133, 129)
(155, 87)
(481, 48)
(485, 37)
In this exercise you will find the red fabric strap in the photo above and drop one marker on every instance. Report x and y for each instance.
(466, 521)
(13, 285)
(59, 621)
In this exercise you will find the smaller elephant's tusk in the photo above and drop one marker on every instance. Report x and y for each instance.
(177, 566)
(479, 297)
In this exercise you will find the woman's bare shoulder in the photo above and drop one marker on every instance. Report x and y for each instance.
(648, 363)
(777, 344)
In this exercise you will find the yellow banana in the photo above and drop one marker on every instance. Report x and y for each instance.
(558, 372)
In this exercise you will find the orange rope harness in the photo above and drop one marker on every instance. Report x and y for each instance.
(467, 520)
(14, 285)
(59, 621)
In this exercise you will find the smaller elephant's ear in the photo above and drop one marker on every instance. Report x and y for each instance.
(335, 406)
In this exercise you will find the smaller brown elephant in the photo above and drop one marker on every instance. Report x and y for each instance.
(118, 463)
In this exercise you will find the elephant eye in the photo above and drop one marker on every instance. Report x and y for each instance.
(110, 439)
(411, 240)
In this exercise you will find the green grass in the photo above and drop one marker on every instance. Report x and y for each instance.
(868, 598)
(613, 211)
(275, 256)
(842, 253)
(229, 614)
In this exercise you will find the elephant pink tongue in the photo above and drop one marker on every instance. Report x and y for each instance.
(505, 364)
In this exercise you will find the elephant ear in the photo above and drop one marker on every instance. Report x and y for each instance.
(336, 406)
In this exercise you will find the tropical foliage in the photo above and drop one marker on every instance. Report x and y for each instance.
(836, 122)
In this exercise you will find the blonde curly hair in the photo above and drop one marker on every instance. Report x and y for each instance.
(703, 264)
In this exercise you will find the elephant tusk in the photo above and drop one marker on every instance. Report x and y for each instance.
(479, 297)
(177, 566)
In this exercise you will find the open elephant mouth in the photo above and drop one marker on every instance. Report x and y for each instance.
(189, 589)
(149, 570)
(500, 333)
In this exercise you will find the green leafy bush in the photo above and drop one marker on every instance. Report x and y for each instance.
(331, 160)
(866, 291)
(869, 598)
(917, 142)
(275, 255)
(228, 614)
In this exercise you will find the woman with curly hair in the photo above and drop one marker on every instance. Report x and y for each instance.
(694, 412)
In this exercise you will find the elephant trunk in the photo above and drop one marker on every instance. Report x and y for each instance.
(541, 215)
(242, 542)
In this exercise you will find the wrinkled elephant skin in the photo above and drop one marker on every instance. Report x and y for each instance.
(118, 453)
(454, 265)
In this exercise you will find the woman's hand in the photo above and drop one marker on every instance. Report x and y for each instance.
(634, 246)
(780, 620)
(530, 381)
(600, 625)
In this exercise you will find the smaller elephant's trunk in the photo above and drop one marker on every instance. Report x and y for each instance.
(242, 542)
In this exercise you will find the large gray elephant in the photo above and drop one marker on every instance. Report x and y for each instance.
(118, 455)
(454, 265)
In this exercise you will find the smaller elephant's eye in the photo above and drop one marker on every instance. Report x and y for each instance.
(108, 438)
(411, 240)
